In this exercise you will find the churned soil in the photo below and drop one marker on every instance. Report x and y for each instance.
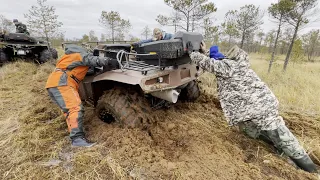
(186, 141)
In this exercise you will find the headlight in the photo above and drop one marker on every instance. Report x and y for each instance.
(160, 79)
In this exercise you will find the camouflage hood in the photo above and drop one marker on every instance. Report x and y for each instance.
(238, 60)
(237, 54)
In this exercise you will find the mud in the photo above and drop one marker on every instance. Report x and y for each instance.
(192, 141)
(187, 141)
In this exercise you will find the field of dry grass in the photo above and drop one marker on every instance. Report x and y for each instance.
(297, 88)
(188, 141)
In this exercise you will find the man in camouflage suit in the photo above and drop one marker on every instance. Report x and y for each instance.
(20, 27)
(248, 102)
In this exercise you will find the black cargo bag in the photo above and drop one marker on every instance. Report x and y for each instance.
(169, 52)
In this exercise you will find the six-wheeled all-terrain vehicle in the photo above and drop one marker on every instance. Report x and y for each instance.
(155, 76)
(23, 46)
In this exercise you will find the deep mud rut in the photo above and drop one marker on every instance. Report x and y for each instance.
(190, 141)
(187, 141)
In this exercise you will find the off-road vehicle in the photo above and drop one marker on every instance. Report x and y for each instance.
(156, 76)
(23, 46)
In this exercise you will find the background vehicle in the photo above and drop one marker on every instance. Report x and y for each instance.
(23, 46)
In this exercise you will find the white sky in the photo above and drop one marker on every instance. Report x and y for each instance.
(81, 16)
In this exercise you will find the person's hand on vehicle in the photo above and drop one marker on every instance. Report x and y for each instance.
(203, 47)
(189, 47)
(133, 45)
(111, 62)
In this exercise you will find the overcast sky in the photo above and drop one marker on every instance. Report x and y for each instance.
(81, 16)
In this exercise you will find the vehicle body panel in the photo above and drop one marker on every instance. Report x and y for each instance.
(160, 66)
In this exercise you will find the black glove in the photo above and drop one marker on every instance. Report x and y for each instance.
(111, 63)
(189, 47)
(90, 71)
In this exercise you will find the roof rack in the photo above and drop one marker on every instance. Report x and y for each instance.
(125, 63)
(139, 66)
(135, 65)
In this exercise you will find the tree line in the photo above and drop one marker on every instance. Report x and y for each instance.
(240, 26)
(243, 27)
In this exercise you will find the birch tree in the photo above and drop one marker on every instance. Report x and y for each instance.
(43, 21)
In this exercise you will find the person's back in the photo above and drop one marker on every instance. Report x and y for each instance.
(74, 63)
(243, 95)
(167, 36)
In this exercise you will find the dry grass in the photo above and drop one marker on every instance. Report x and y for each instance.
(297, 89)
(192, 141)
(60, 51)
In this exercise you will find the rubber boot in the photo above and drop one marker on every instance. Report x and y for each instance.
(306, 164)
(285, 141)
(264, 137)
(81, 142)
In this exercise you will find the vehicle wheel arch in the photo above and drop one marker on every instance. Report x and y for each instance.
(99, 87)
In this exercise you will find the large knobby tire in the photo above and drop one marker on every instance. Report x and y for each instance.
(125, 106)
(3, 57)
(54, 53)
(45, 56)
(191, 92)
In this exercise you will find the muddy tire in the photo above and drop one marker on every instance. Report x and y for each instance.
(54, 53)
(125, 106)
(191, 92)
(45, 56)
(3, 57)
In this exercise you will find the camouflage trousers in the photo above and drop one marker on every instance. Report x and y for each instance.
(281, 138)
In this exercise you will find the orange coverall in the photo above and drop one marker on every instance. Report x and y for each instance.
(63, 84)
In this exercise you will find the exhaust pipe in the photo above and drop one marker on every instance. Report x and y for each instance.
(168, 95)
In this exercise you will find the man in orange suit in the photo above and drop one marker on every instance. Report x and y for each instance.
(63, 85)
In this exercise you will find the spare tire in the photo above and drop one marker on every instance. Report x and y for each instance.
(3, 57)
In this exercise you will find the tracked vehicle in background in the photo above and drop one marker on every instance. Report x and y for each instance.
(20, 45)
(157, 75)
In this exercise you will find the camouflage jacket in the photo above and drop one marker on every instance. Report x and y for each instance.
(243, 96)
(21, 28)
